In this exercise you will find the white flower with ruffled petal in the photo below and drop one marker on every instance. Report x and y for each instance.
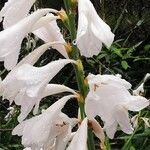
(51, 129)
(110, 99)
(92, 30)
(15, 10)
(11, 38)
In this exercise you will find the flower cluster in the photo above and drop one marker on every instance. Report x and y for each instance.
(26, 85)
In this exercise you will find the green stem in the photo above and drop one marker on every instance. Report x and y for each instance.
(91, 145)
(125, 147)
(79, 70)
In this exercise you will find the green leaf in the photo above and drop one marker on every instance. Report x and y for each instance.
(147, 47)
(125, 65)
(101, 56)
(132, 148)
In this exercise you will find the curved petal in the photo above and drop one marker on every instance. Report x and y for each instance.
(102, 31)
(14, 11)
(92, 30)
(11, 38)
(41, 128)
(32, 57)
(121, 115)
(52, 89)
(111, 129)
(137, 103)
(50, 32)
(98, 130)
(79, 140)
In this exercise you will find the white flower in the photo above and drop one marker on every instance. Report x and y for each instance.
(11, 38)
(27, 103)
(92, 30)
(109, 98)
(50, 32)
(52, 129)
(14, 11)
(31, 85)
(79, 140)
(29, 59)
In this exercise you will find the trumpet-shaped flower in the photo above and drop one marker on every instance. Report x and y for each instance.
(51, 129)
(14, 11)
(50, 32)
(11, 38)
(92, 30)
(27, 103)
(29, 59)
(31, 84)
(109, 98)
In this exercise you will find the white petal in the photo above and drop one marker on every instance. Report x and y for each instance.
(92, 48)
(111, 129)
(79, 140)
(137, 103)
(44, 21)
(139, 90)
(40, 127)
(14, 11)
(102, 31)
(27, 148)
(11, 38)
(32, 57)
(26, 80)
(11, 60)
(121, 115)
(98, 131)
(50, 32)
(52, 89)
(92, 30)
(34, 75)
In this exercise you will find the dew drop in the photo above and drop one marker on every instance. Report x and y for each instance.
(74, 42)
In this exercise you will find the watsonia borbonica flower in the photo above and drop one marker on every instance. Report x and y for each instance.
(110, 99)
(92, 30)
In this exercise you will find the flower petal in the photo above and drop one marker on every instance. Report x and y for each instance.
(50, 32)
(79, 140)
(14, 11)
(32, 57)
(11, 38)
(98, 130)
(121, 115)
(52, 89)
(41, 128)
(137, 103)
(92, 30)
(111, 129)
